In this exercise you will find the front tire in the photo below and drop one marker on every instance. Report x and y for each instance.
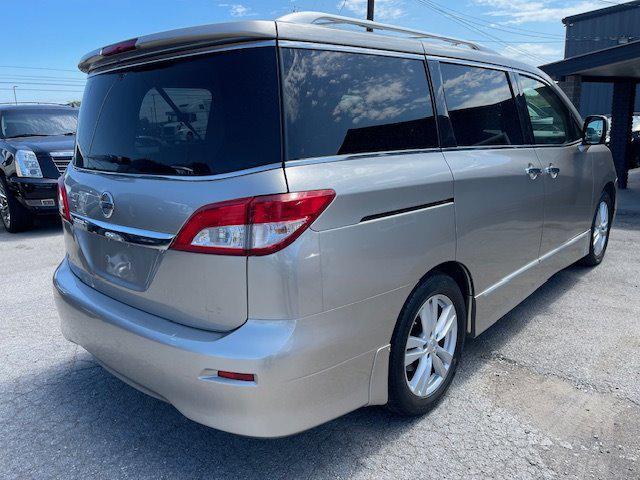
(14, 216)
(426, 346)
(600, 228)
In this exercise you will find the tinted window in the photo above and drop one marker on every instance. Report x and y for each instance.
(551, 120)
(94, 94)
(37, 122)
(342, 103)
(481, 106)
(206, 115)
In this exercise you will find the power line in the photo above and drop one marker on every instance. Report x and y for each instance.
(42, 90)
(40, 77)
(502, 28)
(44, 83)
(469, 26)
(42, 68)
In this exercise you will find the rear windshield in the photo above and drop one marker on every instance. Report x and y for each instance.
(36, 122)
(206, 115)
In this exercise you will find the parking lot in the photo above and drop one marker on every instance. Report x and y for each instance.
(552, 390)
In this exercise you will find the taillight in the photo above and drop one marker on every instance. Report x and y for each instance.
(63, 200)
(120, 47)
(252, 226)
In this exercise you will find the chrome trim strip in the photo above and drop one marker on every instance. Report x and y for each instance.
(532, 264)
(119, 233)
(471, 63)
(575, 239)
(355, 156)
(165, 55)
(203, 178)
(503, 147)
(416, 208)
(62, 153)
(348, 49)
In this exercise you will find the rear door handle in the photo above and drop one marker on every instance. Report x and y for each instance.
(533, 172)
(552, 171)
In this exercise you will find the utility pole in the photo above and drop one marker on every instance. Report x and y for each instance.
(15, 99)
(370, 13)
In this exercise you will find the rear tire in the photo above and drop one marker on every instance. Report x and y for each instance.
(600, 228)
(423, 358)
(14, 216)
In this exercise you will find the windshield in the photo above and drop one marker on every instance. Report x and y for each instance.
(201, 116)
(46, 122)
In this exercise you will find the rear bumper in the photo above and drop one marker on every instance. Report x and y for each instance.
(38, 195)
(178, 364)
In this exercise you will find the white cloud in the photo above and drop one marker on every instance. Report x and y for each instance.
(236, 9)
(533, 53)
(384, 9)
(525, 11)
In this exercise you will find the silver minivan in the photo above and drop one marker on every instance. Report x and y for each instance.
(269, 224)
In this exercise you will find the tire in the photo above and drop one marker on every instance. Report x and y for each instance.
(408, 395)
(14, 216)
(597, 249)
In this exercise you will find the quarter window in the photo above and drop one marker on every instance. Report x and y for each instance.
(551, 121)
(343, 103)
(481, 106)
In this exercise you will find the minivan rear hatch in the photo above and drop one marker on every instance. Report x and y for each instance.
(156, 142)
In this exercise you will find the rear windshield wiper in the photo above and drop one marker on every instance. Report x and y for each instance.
(177, 111)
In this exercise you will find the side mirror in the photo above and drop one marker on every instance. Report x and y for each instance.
(595, 130)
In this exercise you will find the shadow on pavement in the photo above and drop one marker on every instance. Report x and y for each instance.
(93, 418)
(42, 227)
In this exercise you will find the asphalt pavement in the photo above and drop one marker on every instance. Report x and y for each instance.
(551, 391)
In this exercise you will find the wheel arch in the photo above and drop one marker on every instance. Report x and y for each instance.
(461, 275)
(610, 188)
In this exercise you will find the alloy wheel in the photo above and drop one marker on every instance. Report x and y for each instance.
(600, 228)
(431, 345)
(4, 206)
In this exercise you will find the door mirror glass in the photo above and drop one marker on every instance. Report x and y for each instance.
(595, 130)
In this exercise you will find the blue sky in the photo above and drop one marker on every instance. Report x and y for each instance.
(53, 35)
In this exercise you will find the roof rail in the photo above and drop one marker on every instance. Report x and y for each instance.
(329, 20)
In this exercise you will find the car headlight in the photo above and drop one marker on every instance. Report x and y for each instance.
(27, 164)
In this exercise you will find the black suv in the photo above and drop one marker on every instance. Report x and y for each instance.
(36, 145)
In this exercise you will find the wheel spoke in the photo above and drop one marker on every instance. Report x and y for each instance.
(427, 318)
(444, 355)
(421, 377)
(438, 366)
(415, 342)
(446, 320)
(604, 214)
(412, 355)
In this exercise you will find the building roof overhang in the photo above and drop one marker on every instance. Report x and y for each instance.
(606, 65)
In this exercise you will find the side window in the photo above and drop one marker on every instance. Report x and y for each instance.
(481, 106)
(551, 120)
(343, 103)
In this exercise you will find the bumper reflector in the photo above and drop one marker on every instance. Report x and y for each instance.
(245, 377)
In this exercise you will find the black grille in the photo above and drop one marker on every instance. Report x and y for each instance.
(61, 163)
